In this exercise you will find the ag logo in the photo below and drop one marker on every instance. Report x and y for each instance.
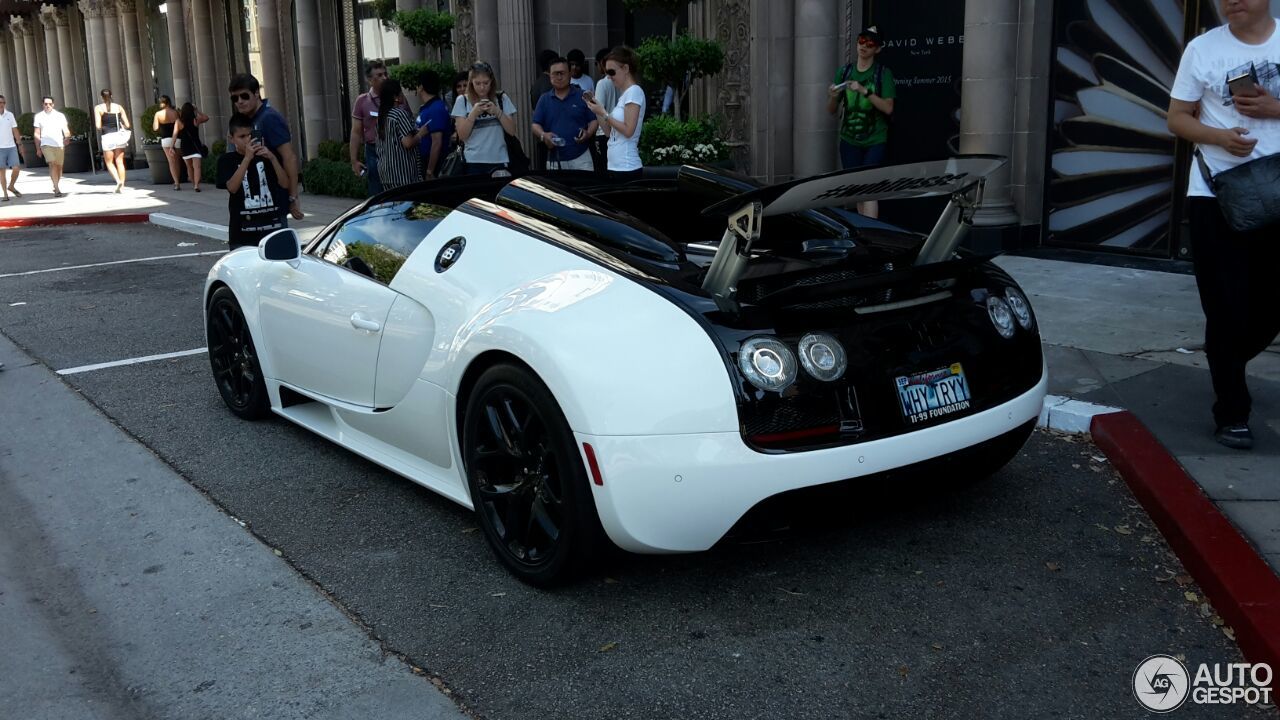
(1161, 683)
(450, 253)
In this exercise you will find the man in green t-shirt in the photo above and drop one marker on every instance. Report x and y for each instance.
(865, 90)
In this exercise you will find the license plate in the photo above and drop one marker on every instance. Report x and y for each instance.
(930, 395)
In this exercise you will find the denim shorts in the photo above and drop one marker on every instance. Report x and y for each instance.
(852, 156)
(9, 158)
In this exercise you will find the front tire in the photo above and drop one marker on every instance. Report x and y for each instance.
(233, 357)
(527, 479)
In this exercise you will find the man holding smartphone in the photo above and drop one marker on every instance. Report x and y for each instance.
(272, 129)
(1224, 101)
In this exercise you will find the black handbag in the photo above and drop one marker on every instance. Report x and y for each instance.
(454, 164)
(517, 161)
(1248, 194)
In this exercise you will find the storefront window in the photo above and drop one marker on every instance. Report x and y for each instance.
(376, 41)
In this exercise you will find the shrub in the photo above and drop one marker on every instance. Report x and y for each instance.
(335, 151)
(209, 164)
(425, 27)
(407, 74)
(679, 61)
(668, 141)
(27, 125)
(149, 136)
(77, 122)
(329, 177)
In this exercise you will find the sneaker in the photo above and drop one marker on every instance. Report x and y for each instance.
(1237, 437)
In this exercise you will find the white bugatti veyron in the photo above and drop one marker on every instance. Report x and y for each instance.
(587, 362)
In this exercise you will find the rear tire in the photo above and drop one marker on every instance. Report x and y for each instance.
(527, 479)
(234, 358)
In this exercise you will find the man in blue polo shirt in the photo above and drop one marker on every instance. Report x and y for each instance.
(563, 122)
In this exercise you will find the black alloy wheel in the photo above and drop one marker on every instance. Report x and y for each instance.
(527, 479)
(233, 358)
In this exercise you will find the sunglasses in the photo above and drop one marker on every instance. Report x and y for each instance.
(482, 67)
(868, 42)
(241, 97)
(611, 72)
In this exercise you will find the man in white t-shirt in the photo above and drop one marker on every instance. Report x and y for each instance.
(1235, 272)
(51, 136)
(9, 158)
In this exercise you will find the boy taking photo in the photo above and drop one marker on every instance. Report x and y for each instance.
(251, 173)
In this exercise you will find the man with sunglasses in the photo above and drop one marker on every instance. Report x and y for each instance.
(9, 157)
(272, 129)
(51, 135)
(865, 90)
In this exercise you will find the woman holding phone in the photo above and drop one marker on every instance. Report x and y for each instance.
(186, 133)
(484, 117)
(625, 121)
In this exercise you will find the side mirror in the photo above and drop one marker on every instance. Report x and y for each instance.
(281, 245)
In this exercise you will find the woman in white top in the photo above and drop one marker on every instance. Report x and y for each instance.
(625, 122)
(484, 117)
(113, 122)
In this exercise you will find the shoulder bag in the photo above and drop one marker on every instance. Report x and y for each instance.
(517, 161)
(1249, 193)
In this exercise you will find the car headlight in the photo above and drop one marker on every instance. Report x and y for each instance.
(768, 363)
(1020, 307)
(822, 356)
(1001, 316)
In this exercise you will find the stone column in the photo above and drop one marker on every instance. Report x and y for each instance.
(77, 27)
(271, 46)
(817, 49)
(31, 59)
(136, 99)
(408, 51)
(772, 60)
(96, 37)
(987, 97)
(207, 85)
(8, 80)
(181, 91)
(66, 55)
(20, 73)
(488, 47)
(115, 69)
(515, 34)
(310, 66)
(52, 60)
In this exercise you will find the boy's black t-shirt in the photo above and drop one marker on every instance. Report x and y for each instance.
(258, 208)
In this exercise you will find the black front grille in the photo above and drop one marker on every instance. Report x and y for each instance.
(789, 414)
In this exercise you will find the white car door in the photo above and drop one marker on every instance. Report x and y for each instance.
(323, 324)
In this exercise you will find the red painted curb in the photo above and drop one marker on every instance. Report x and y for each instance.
(1239, 583)
(76, 220)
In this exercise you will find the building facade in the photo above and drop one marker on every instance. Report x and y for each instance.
(1069, 90)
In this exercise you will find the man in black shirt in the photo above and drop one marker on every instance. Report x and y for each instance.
(251, 173)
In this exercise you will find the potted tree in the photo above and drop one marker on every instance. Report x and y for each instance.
(27, 129)
(78, 157)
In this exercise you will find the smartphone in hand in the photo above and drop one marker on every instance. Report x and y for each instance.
(1243, 85)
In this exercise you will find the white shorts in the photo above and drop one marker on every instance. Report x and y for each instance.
(192, 156)
(169, 142)
(116, 141)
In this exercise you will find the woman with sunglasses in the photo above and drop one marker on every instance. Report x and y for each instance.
(624, 123)
(113, 123)
(484, 117)
(865, 90)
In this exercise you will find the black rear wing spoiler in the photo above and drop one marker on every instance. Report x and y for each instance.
(962, 178)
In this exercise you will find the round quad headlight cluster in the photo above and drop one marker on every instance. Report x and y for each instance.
(1020, 307)
(768, 363)
(1001, 316)
(822, 356)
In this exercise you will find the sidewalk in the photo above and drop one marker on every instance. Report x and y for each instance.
(1134, 339)
(92, 195)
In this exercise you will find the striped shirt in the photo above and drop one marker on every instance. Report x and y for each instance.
(396, 165)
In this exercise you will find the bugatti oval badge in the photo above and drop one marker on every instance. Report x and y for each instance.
(450, 253)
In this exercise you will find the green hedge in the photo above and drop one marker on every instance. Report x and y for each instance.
(425, 27)
(330, 177)
(149, 117)
(209, 164)
(27, 125)
(664, 131)
(407, 74)
(335, 151)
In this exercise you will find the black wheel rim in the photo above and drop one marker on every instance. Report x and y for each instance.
(231, 352)
(519, 476)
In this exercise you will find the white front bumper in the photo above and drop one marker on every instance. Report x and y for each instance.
(682, 493)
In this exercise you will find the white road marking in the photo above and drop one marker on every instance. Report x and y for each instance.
(131, 361)
(113, 262)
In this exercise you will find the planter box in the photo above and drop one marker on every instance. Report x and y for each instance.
(29, 155)
(76, 158)
(159, 165)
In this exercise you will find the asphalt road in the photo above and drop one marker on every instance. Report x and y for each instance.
(1034, 593)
